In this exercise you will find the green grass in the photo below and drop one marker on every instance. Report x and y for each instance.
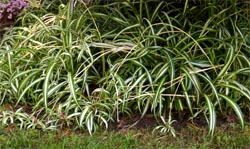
(189, 137)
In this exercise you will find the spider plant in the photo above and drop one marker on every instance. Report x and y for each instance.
(89, 66)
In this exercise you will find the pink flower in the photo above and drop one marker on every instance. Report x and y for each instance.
(10, 16)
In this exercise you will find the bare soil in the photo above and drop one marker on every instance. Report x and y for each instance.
(182, 121)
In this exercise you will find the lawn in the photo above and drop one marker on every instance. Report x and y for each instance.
(188, 137)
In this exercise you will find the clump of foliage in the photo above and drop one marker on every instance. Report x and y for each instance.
(84, 66)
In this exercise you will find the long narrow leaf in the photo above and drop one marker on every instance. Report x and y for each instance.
(27, 88)
(212, 115)
(72, 88)
(230, 58)
(236, 108)
(46, 84)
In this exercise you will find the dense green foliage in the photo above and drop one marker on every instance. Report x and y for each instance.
(85, 66)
